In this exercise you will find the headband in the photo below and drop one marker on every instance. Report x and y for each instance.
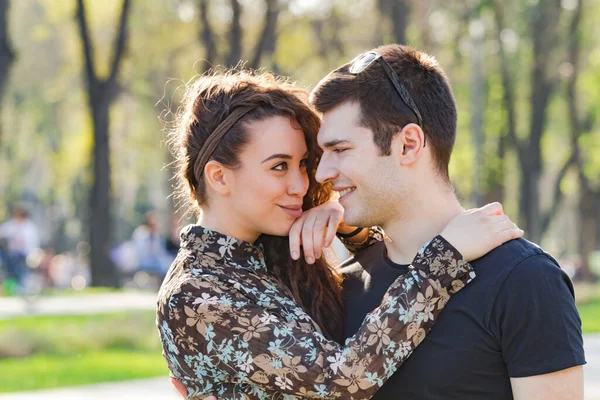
(215, 138)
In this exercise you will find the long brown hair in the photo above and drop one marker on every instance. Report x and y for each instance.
(208, 102)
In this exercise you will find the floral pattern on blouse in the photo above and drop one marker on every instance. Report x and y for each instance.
(231, 329)
(375, 235)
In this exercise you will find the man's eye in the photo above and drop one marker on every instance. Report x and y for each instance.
(339, 150)
(280, 167)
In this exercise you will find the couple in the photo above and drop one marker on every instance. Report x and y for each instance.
(253, 307)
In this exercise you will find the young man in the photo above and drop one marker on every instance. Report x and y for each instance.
(389, 126)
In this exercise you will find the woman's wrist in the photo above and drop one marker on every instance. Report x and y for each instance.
(348, 231)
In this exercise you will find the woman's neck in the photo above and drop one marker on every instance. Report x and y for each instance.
(226, 223)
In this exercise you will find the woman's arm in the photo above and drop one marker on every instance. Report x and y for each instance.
(223, 336)
(366, 238)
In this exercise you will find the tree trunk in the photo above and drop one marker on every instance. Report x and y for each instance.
(400, 12)
(545, 18)
(587, 232)
(103, 271)
(268, 38)
(207, 36)
(397, 11)
(7, 55)
(101, 94)
(235, 35)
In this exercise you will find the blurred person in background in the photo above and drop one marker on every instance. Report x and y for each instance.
(172, 241)
(149, 243)
(19, 236)
(241, 317)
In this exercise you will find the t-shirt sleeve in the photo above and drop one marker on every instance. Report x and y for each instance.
(535, 320)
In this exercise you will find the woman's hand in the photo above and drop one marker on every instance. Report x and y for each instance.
(315, 229)
(476, 232)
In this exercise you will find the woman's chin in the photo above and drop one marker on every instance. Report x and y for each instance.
(281, 229)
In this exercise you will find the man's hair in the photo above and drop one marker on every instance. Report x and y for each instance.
(382, 109)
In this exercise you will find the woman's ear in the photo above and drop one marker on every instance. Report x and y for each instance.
(407, 145)
(215, 177)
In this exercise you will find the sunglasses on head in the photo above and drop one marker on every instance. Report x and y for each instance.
(365, 60)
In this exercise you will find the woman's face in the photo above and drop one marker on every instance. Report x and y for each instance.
(268, 188)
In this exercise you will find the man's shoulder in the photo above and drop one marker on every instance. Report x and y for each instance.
(511, 253)
(511, 265)
(515, 253)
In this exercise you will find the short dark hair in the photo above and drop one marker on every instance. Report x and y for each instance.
(382, 109)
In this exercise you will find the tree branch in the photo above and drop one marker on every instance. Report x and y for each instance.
(88, 50)
(267, 40)
(119, 46)
(7, 54)
(207, 36)
(508, 97)
(235, 35)
(557, 193)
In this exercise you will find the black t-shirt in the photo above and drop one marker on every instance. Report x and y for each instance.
(516, 319)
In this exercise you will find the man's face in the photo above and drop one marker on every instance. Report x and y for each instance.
(368, 183)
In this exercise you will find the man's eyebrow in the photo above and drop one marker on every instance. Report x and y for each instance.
(333, 143)
(281, 155)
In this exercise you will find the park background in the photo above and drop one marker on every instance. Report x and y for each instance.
(87, 88)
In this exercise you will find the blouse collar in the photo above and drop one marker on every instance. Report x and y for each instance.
(234, 252)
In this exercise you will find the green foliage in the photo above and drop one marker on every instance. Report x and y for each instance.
(72, 335)
(590, 316)
(51, 351)
(53, 371)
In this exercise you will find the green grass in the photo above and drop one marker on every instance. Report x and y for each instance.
(47, 371)
(590, 316)
(50, 351)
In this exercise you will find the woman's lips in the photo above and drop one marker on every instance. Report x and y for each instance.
(294, 211)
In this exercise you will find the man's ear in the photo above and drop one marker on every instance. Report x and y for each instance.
(407, 145)
(215, 176)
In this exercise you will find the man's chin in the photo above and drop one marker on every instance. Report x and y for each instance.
(352, 219)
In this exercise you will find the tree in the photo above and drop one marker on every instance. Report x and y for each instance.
(544, 36)
(265, 45)
(7, 55)
(101, 93)
(588, 197)
(398, 12)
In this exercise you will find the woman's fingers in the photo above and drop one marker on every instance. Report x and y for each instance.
(492, 209)
(307, 239)
(510, 234)
(295, 237)
(332, 228)
(319, 229)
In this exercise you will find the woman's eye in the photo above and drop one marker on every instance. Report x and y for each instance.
(304, 163)
(280, 167)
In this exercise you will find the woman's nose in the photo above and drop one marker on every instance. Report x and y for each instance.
(298, 185)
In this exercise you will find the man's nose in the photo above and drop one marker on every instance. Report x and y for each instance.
(326, 170)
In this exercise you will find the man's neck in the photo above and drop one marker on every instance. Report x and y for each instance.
(425, 218)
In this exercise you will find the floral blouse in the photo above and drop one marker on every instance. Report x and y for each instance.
(231, 329)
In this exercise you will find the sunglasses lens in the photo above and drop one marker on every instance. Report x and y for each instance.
(362, 62)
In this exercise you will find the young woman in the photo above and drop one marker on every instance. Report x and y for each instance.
(238, 316)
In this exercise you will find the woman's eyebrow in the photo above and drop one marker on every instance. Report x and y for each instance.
(277, 155)
(283, 156)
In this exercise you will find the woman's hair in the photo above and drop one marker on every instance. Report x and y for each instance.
(207, 103)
